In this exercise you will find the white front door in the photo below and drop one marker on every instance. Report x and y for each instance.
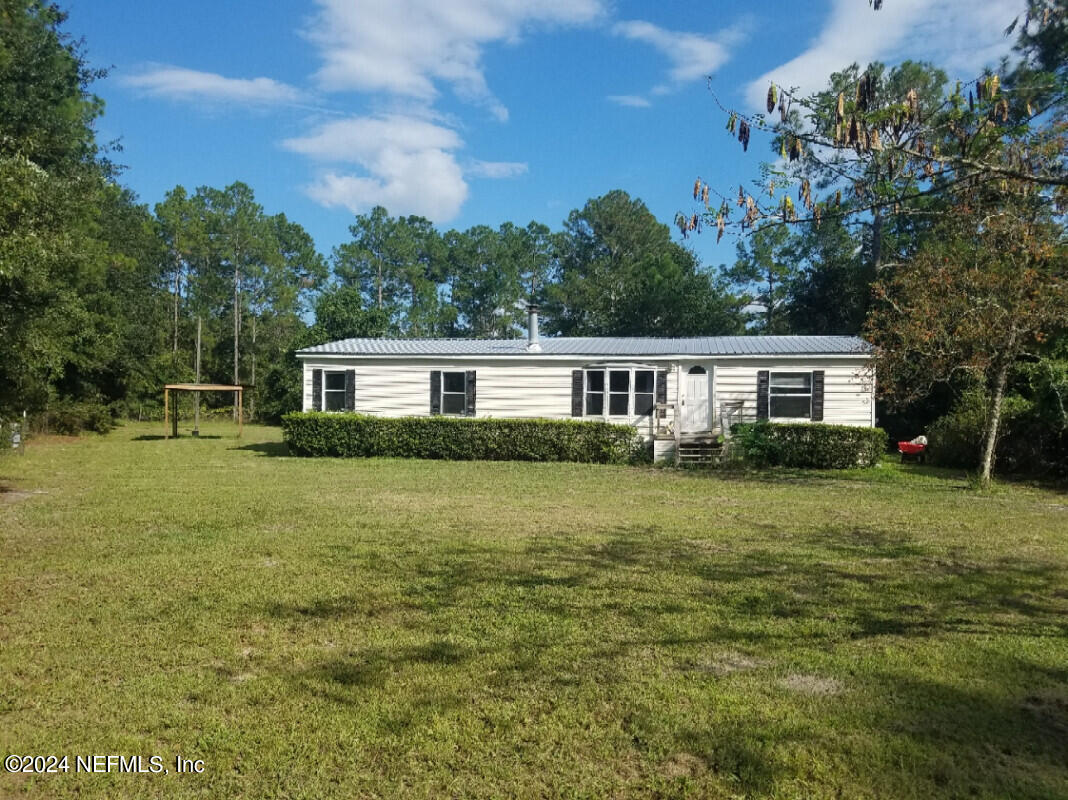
(695, 400)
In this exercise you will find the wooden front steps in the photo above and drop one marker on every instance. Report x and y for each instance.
(700, 451)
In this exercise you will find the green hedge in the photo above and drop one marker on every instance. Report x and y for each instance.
(359, 435)
(70, 418)
(807, 445)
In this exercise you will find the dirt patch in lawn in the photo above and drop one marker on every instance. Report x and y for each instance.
(812, 684)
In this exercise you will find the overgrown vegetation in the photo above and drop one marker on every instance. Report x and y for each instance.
(807, 445)
(363, 435)
(382, 628)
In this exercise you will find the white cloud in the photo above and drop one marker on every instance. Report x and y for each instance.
(405, 47)
(496, 169)
(692, 55)
(187, 84)
(361, 140)
(629, 100)
(407, 162)
(961, 36)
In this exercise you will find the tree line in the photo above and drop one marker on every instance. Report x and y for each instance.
(901, 178)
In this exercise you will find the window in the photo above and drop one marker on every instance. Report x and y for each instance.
(620, 392)
(333, 391)
(454, 393)
(595, 393)
(644, 391)
(790, 395)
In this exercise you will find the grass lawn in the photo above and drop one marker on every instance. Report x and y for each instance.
(331, 628)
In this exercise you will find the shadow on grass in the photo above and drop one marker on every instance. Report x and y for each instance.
(272, 449)
(151, 437)
(638, 607)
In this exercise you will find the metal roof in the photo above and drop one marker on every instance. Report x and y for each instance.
(600, 346)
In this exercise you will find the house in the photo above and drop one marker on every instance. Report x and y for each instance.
(673, 390)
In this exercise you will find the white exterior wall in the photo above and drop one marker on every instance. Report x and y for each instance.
(541, 387)
(512, 388)
(847, 386)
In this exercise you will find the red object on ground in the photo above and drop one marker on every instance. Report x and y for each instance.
(910, 449)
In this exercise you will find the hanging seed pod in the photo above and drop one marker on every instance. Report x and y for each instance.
(874, 142)
(680, 221)
(1030, 110)
(819, 215)
(782, 107)
(854, 132)
(838, 198)
(772, 98)
(898, 123)
(782, 148)
(795, 149)
(788, 210)
(693, 222)
(743, 135)
(732, 123)
(771, 189)
(980, 90)
(741, 196)
(912, 100)
(725, 210)
(993, 85)
(696, 188)
(839, 111)
(1003, 109)
(971, 101)
(704, 195)
(928, 170)
(837, 134)
(721, 224)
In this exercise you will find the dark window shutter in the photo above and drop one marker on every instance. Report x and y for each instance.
(817, 395)
(435, 391)
(470, 389)
(317, 390)
(576, 393)
(350, 390)
(763, 378)
(661, 390)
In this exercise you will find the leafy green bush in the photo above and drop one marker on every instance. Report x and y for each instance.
(807, 445)
(1030, 441)
(360, 435)
(71, 418)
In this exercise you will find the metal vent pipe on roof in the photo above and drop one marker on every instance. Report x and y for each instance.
(533, 345)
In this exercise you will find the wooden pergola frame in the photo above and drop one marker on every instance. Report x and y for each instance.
(197, 387)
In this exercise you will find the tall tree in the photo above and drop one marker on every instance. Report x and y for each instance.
(619, 273)
(976, 299)
(53, 180)
(764, 273)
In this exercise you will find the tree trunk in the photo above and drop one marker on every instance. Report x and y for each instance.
(237, 327)
(876, 240)
(380, 286)
(252, 394)
(993, 421)
(177, 296)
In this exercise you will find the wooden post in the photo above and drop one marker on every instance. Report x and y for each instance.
(240, 415)
(174, 417)
(166, 402)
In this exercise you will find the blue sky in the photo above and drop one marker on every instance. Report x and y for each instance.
(479, 111)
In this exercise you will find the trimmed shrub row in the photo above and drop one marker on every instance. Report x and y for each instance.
(808, 445)
(458, 439)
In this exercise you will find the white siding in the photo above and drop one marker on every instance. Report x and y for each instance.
(518, 388)
(847, 386)
(503, 389)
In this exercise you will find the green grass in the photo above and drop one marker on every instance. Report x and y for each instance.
(330, 628)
